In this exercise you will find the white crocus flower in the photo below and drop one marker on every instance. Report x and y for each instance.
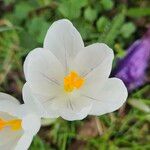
(18, 123)
(70, 80)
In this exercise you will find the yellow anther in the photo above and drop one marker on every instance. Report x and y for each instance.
(13, 124)
(72, 81)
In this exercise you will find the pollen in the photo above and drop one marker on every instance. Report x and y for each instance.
(13, 124)
(73, 81)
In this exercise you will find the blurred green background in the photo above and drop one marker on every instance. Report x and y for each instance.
(23, 25)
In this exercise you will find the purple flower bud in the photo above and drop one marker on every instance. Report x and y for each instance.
(131, 69)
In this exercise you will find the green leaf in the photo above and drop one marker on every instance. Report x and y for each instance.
(107, 4)
(85, 29)
(139, 104)
(90, 14)
(5, 28)
(27, 42)
(115, 29)
(127, 29)
(39, 144)
(71, 8)
(44, 2)
(38, 27)
(120, 52)
(22, 9)
(9, 1)
(102, 23)
(138, 12)
(47, 121)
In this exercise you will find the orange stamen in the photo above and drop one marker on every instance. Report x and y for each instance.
(72, 81)
(13, 124)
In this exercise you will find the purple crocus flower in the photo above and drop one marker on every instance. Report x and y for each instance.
(131, 69)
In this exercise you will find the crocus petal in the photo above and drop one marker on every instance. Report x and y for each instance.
(42, 67)
(4, 96)
(109, 98)
(94, 63)
(37, 103)
(8, 104)
(31, 102)
(73, 108)
(31, 128)
(64, 41)
(8, 146)
(44, 75)
(71, 116)
(131, 71)
(31, 124)
(11, 144)
(43, 72)
(9, 110)
(9, 139)
(7, 136)
(24, 142)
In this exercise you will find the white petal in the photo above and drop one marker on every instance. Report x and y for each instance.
(51, 111)
(94, 63)
(9, 106)
(73, 108)
(43, 73)
(4, 96)
(64, 41)
(72, 116)
(31, 127)
(31, 102)
(109, 98)
(11, 109)
(24, 142)
(8, 138)
(36, 103)
(11, 144)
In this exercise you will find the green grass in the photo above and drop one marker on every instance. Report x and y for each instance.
(23, 25)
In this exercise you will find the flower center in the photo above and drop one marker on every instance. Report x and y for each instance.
(73, 81)
(14, 124)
